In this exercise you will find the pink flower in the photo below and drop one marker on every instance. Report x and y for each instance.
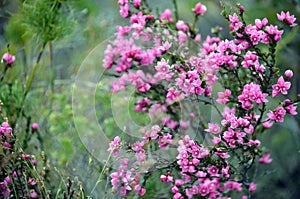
(167, 14)
(6, 129)
(124, 10)
(35, 126)
(254, 142)
(165, 140)
(291, 109)
(33, 194)
(122, 2)
(31, 182)
(6, 144)
(235, 24)
(265, 159)
(250, 94)
(180, 25)
(277, 115)
(289, 73)
(287, 18)
(267, 124)
(261, 23)
(139, 190)
(162, 66)
(7, 180)
(213, 171)
(8, 58)
(14, 174)
(213, 128)
(184, 124)
(274, 32)
(166, 178)
(203, 189)
(114, 146)
(252, 186)
(280, 87)
(223, 97)
(173, 94)
(231, 185)
(137, 3)
(199, 9)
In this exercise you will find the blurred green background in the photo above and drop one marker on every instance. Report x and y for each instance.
(90, 23)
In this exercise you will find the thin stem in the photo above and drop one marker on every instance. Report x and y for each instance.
(4, 73)
(100, 176)
(51, 67)
(176, 10)
(195, 21)
(29, 82)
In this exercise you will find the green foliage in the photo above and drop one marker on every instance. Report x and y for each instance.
(47, 20)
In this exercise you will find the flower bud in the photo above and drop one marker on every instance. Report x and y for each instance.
(34, 126)
(289, 73)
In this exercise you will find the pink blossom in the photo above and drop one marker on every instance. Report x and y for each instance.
(139, 190)
(254, 142)
(167, 14)
(124, 10)
(7, 180)
(250, 59)
(122, 2)
(166, 178)
(5, 191)
(274, 32)
(162, 66)
(225, 171)
(203, 189)
(31, 182)
(231, 185)
(197, 38)
(6, 129)
(14, 174)
(199, 9)
(137, 3)
(235, 23)
(173, 94)
(291, 109)
(223, 97)
(261, 23)
(33, 194)
(184, 124)
(213, 128)
(288, 73)
(165, 140)
(6, 144)
(116, 87)
(8, 58)
(281, 87)
(287, 18)
(180, 25)
(252, 186)
(265, 159)
(114, 146)
(178, 196)
(277, 115)
(251, 93)
(267, 124)
(216, 140)
(213, 171)
(35, 126)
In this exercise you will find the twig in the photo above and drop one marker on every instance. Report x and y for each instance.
(176, 10)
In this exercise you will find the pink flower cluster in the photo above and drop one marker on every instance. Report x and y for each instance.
(166, 73)
(252, 94)
(12, 178)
